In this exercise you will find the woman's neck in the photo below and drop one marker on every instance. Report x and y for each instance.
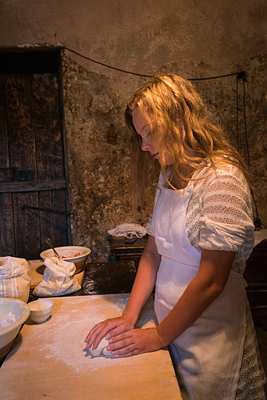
(180, 181)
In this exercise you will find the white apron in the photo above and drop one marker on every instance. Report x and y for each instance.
(208, 354)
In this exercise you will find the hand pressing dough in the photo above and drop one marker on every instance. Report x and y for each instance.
(101, 348)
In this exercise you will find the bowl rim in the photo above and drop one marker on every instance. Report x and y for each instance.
(45, 310)
(25, 314)
(87, 252)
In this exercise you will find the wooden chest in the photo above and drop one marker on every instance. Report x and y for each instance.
(122, 249)
(256, 278)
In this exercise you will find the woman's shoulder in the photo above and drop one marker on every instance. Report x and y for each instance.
(225, 168)
(220, 169)
(222, 176)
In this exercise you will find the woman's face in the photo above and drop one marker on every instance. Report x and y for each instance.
(149, 142)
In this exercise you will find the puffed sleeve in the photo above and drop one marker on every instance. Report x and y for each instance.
(226, 222)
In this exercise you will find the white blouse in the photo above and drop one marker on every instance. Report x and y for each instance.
(219, 214)
(219, 217)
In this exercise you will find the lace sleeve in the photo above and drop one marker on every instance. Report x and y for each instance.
(227, 221)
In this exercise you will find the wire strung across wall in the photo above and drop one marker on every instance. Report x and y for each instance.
(239, 76)
(106, 65)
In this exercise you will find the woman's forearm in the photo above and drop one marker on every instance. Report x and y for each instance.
(212, 276)
(188, 309)
(144, 281)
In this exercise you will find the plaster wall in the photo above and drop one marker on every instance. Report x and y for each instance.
(141, 35)
(194, 39)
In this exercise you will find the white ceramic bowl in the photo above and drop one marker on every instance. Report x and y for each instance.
(21, 311)
(68, 254)
(41, 310)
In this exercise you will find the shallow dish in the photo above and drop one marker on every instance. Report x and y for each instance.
(40, 310)
(8, 334)
(76, 254)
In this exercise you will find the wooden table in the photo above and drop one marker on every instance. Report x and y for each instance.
(49, 360)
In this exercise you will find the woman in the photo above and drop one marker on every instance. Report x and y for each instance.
(201, 235)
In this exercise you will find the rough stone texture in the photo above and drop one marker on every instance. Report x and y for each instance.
(98, 158)
(240, 106)
(98, 147)
(141, 35)
(256, 111)
(192, 38)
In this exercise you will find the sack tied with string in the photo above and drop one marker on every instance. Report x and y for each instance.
(58, 278)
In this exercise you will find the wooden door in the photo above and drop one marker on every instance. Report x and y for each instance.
(33, 176)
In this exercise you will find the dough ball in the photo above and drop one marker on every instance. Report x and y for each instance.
(107, 353)
(100, 348)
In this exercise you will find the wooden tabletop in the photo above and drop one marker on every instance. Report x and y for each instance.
(50, 360)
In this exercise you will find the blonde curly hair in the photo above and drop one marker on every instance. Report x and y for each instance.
(171, 103)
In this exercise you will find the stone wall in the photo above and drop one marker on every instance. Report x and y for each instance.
(195, 39)
(98, 157)
(98, 146)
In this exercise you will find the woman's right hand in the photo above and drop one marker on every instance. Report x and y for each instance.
(108, 328)
(143, 285)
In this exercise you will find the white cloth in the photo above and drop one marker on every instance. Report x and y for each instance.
(58, 278)
(128, 230)
(14, 280)
(208, 354)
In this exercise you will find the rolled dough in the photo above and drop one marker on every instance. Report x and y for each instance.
(101, 348)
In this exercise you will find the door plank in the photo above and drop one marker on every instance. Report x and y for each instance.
(49, 152)
(48, 127)
(7, 245)
(32, 186)
(4, 156)
(21, 132)
(53, 225)
(27, 227)
(45, 95)
(31, 132)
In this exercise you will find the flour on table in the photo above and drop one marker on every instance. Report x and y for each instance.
(121, 303)
(64, 339)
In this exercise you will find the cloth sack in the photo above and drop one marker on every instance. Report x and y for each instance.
(58, 278)
(14, 280)
(128, 230)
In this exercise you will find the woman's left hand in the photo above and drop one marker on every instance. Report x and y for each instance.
(135, 341)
